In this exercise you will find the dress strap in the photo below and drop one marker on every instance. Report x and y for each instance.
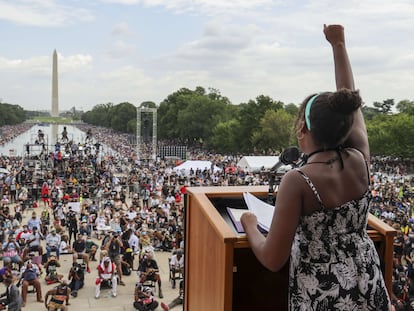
(312, 186)
(338, 150)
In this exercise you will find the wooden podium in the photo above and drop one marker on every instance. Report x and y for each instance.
(221, 271)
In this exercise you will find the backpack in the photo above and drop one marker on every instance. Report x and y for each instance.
(126, 270)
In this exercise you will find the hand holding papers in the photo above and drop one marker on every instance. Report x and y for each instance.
(262, 210)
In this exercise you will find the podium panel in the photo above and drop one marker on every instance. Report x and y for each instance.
(221, 271)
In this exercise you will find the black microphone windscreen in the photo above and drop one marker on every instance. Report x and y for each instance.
(290, 155)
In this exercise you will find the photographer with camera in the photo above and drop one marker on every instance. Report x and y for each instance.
(113, 247)
(60, 296)
(77, 278)
(11, 249)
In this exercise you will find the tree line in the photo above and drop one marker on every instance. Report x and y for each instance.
(205, 118)
(11, 114)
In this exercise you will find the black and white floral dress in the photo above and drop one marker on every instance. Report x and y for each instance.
(334, 264)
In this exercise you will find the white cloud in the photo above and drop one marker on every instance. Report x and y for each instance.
(31, 65)
(209, 7)
(74, 63)
(43, 64)
(121, 29)
(121, 49)
(41, 13)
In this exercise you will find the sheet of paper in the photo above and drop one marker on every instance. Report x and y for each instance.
(235, 214)
(262, 210)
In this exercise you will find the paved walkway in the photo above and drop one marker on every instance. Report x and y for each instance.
(86, 300)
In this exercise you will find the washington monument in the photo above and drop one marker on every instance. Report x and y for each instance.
(55, 95)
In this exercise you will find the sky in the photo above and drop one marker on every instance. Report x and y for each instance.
(113, 51)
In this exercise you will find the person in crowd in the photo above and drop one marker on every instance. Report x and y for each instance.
(101, 223)
(23, 237)
(91, 248)
(34, 242)
(84, 228)
(34, 221)
(322, 208)
(72, 224)
(176, 301)
(45, 192)
(113, 247)
(13, 300)
(30, 276)
(65, 135)
(52, 243)
(51, 266)
(76, 278)
(148, 270)
(106, 273)
(133, 241)
(59, 297)
(35, 191)
(6, 270)
(176, 265)
(64, 246)
(144, 299)
(79, 251)
(11, 249)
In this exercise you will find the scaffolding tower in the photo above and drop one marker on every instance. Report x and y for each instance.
(140, 143)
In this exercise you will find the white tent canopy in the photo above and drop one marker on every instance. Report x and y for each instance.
(185, 168)
(257, 163)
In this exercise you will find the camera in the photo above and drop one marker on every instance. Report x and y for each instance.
(76, 267)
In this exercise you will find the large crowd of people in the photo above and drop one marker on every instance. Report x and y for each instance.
(118, 210)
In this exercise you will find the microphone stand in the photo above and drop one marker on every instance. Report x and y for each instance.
(290, 155)
(273, 183)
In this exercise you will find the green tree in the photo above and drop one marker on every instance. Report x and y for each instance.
(274, 132)
(190, 116)
(370, 112)
(405, 106)
(292, 109)
(121, 115)
(392, 135)
(224, 137)
(196, 122)
(100, 115)
(385, 107)
(168, 112)
(250, 115)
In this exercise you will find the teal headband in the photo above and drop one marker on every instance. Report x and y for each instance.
(307, 111)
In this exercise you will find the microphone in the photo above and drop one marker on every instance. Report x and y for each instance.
(288, 156)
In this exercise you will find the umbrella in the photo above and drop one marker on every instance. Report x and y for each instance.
(4, 171)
